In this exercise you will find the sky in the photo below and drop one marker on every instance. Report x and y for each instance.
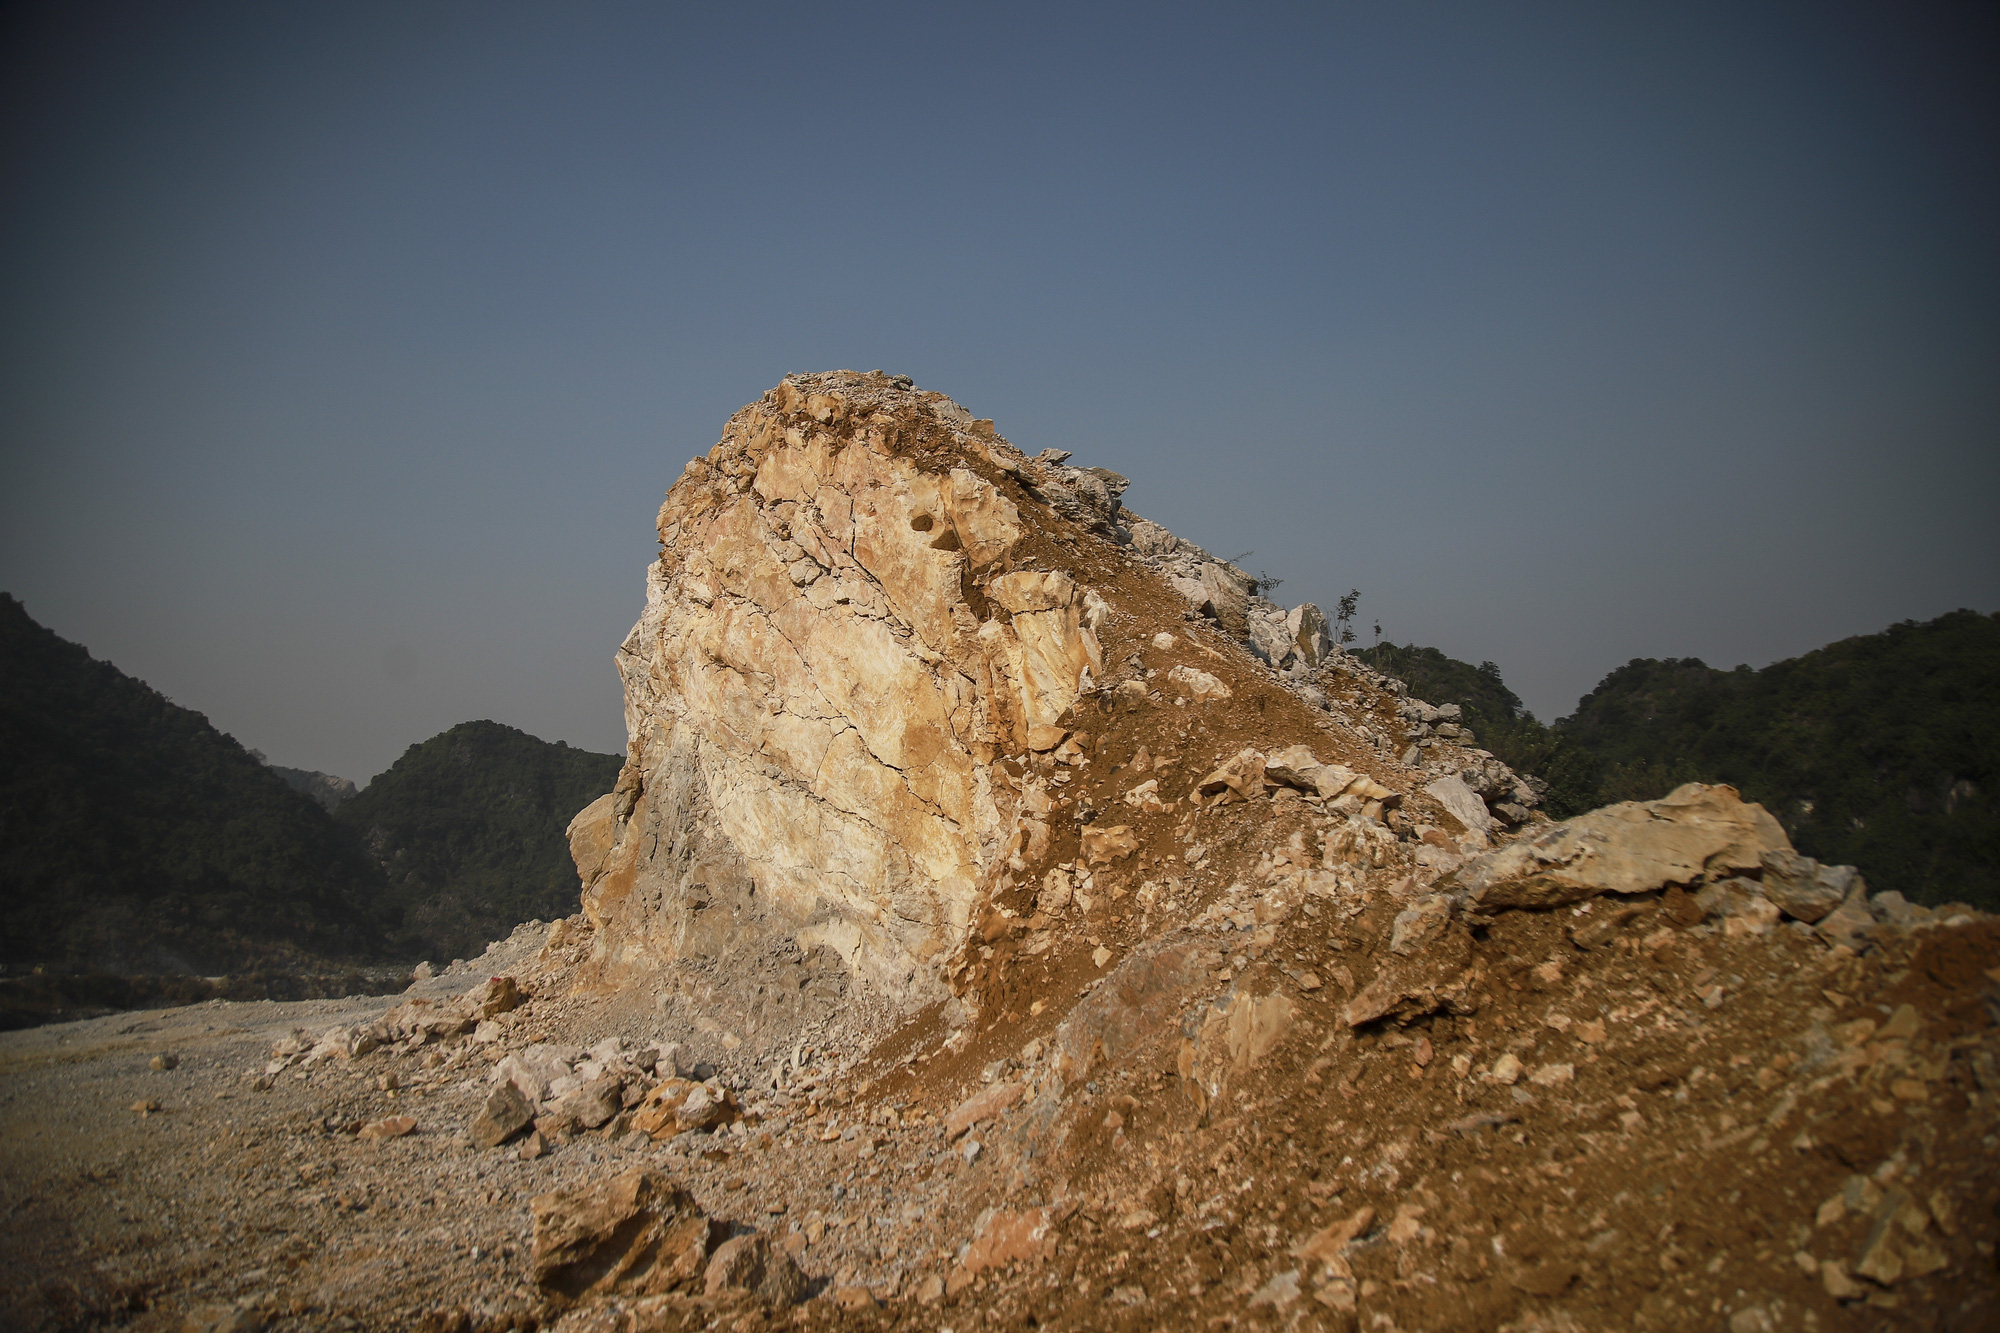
(349, 349)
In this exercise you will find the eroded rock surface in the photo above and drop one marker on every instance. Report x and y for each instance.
(843, 630)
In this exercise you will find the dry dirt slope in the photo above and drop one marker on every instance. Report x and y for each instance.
(1278, 1054)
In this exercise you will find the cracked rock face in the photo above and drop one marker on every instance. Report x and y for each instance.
(840, 634)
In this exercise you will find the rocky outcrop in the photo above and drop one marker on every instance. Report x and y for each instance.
(848, 623)
(872, 621)
(328, 791)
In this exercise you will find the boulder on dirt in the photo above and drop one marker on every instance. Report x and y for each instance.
(505, 1114)
(1241, 776)
(1462, 803)
(988, 1102)
(1102, 846)
(1004, 1236)
(534, 1069)
(1740, 904)
(496, 996)
(389, 1127)
(678, 1105)
(1695, 834)
(637, 1234)
(751, 1263)
(1200, 685)
(1803, 888)
(589, 1106)
(1850, 922)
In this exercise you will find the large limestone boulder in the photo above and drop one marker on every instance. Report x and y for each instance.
(1694, 834)
(842, 632)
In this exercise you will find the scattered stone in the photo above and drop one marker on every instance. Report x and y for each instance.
(1003, 1236)
(637, 1234)
(389, 1127)
(1419, 924)
(988, 1102)
(751, 1263)
(1104, 845)
(166, 1061)
(1881, 1258)
(1834, 1279)
(1280, 1291)
(505, 1114)
(1327, 1245)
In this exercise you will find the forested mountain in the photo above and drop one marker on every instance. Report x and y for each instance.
(135, 837)
(468, 828)
(1877, 751)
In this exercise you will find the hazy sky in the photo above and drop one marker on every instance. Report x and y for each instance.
(349, 347)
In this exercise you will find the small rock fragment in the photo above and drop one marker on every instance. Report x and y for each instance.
(988, 1102)
(751, 1263)
(389, 1127)
(1002, 1236)
(1833, 1277)
(505, 1114)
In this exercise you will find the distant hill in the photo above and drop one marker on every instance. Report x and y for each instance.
(468, 829)
(135, 837)
(1877, 751)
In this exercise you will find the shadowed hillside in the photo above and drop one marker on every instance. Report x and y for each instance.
(468, 828)
(135, 837)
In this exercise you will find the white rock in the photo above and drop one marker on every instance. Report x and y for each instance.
(1463, 803)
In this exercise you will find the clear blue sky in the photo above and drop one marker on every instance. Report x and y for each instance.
(350, 347)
